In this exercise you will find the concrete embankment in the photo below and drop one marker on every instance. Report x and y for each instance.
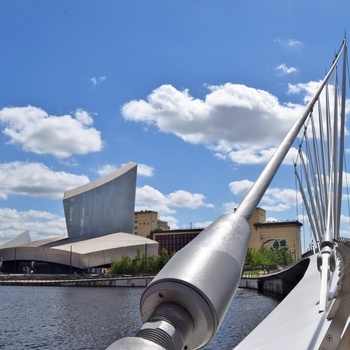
(280, 283)
(76, 280)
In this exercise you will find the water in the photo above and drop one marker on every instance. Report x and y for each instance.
(93, 318)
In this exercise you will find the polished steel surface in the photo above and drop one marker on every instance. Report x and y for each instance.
(203, 277)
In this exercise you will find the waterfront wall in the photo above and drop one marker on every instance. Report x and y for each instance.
(280, 283)
(76, 280)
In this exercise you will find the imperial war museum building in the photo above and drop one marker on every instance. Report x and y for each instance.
(100, 220)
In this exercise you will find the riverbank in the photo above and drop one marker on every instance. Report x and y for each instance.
(76, 280)
(280, 283)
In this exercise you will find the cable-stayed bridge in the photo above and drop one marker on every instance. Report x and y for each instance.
(183, 307)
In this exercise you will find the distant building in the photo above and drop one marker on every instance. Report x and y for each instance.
(276, 235)
(174, 240)
(281, 235)
(99, 218)
(146, 221)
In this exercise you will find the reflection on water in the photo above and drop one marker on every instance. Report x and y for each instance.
(92, 318)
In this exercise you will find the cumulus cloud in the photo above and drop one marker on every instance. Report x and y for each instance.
(240, 188)
(307, 90)
(36, 180)
(254, 156)
(251, 155)
(145, 170)
(142, 169)
(106, 169)
(284, 70)
(34, 130)
(148, 198)
(275, 199)
(40, 224)
(239, 123)
(171, 220)
(223, 121)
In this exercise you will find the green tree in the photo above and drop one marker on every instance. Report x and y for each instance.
(152, 264)
(140, 264)
(163, 258)
(277, 254)
(249, 257)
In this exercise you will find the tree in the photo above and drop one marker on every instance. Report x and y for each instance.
(277, 254)
(140, 264)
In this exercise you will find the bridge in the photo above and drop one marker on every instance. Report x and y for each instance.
(184, 305)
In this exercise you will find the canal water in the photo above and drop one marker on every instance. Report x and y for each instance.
(93, 318)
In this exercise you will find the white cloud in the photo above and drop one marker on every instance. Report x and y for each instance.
(40, 224)
(307, 89)
(98, 80)
(224, 121)
(230, 207)
(184, 199)
(62, 136)
(275, 199)
(142, 170)
(240, 188)
(203, 224)
(251, 155)
(291, 43)
(36, 180)
(106, 169)
(284, 70)
(145, 170)
(83, 117)
(148, 198)
(172, 221)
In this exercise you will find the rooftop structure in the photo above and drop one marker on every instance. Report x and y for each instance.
(22, 238)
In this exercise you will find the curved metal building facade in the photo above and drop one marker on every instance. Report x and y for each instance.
(103, 206)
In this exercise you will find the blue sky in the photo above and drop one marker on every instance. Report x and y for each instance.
(198, 93)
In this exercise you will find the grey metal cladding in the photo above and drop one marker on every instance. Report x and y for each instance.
(103, 206)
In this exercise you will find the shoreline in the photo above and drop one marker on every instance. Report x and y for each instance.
(76, 280)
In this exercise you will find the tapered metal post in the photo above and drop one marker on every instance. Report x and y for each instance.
(200, 280)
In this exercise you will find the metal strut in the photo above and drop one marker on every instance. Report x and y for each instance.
(198, 284)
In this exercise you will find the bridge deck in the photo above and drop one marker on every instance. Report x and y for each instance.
(296, 323)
